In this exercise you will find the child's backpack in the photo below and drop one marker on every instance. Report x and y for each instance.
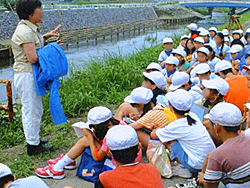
(89, 169)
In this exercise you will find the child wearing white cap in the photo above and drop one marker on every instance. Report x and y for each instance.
(198, 43)
(153, 67)
(191, 140)
(171, 67)
(100, 120)
(180, 54)
(212, 32)
(238, 90)
(228, 163)
(8, 180)
(135, 105)
(168, 45)
(183, 42)
(123, 144)
(192, 28)
(212, 59)
(205, 35)
(221, 50)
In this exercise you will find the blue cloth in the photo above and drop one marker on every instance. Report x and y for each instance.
(242, 58)
(168, 52)
(52, 64)
(178, 152)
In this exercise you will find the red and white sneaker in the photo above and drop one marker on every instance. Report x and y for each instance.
(70, 166)
(48, 172)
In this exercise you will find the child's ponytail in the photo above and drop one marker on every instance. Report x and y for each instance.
(190, 120)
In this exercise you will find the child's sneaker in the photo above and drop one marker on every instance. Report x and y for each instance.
(179, 171)
(48, 172)
(70, 166)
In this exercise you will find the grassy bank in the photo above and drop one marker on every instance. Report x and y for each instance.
(105, 82)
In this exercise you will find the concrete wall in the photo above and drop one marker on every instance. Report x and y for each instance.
(79, 18)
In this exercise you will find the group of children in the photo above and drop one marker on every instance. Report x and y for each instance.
(209, 69)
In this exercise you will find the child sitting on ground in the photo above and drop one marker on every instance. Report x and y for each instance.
(180, 55)
(190, 139)
(153, 67)
(135, 104)
(123, 144)
(168, 45)
(171, 67)
(212, 59)
(100, 120)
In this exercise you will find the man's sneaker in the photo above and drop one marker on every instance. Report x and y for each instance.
(35, 150)
(70, 166)
(48, 172)
(179, 171)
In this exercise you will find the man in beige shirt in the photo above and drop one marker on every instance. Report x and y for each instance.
(25, 41)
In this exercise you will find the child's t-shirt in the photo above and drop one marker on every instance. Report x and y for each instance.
(238, 93)
(139, 175)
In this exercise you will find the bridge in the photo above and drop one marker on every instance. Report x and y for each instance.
(216, 3)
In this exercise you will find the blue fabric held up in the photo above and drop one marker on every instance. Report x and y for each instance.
(52, 64)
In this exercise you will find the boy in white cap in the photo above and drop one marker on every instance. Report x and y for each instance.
(192, 28)
(236, 34)
(235, 50)
(171, 67)
(212, 59)
(205, 35)
(212, 32)
(100, 119)
(168, 45)
(183, 42)
(198, 43)
(180, 55)
(228, 163)
(134, 104)
(123, 144)
(238, 91)
(7, 180)
(202, 56)
(191, 141)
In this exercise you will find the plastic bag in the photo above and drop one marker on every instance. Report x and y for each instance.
(158, 155)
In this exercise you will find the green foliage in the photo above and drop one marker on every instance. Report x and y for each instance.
(9, 4)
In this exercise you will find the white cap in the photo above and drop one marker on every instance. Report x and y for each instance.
(99, 115)
(4, 170)
(247, 105)
(222, 65)
(213, 29)
(235, 48)
(172, 60)
(237, 32)
(180, 99)
(204, 32)
(192, 26)
(157, 78)
(140, 95)
(178, 80)
(241, 31)
(199, 39)
(121, 137)
(202, 68)
(154, 66)
(167, 40)
(225, 114)
(184, 37)
(218, 83)
(226, 39)
(200, 29)
(203, 50)
(225, 32)
(248, 30)
(180, 52)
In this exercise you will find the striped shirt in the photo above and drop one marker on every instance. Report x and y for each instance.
(230, 163)
(158, 117)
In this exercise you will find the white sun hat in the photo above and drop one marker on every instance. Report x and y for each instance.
(225, 114)
(154, 66)
(225, 32)
(4, 170)
(121, 137)
(178, 80)
(218, 83)
(235, 48)
(157, 78)
(203, 50)
(222, 65)
(180, 52)
(180, 99)
(172, 61)
(202, 68)
(140, 95)
(213, 29)
(184, 37)
(204, 32)
(99, 115)
(167, 40)
(192, 26)
(199, 39)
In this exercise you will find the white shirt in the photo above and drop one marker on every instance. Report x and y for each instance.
(225, 49)
(212, 63)
(194, 139)
(163, 56)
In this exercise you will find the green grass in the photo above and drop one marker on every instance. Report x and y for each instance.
(86, 2)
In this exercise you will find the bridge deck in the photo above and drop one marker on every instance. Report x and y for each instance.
(216, 3)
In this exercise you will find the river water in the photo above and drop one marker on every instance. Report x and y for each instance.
(78, 56)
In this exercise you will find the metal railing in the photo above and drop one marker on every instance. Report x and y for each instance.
(217, 1)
